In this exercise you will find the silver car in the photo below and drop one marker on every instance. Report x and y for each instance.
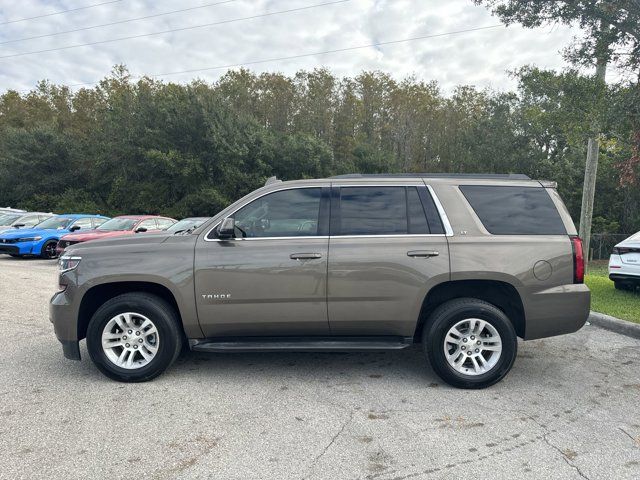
(624, 264)
(22, 220)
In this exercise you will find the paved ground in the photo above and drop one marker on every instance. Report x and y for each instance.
(570, 408)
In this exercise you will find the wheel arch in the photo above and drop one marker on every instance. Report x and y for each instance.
(99, 294)
(500, 293)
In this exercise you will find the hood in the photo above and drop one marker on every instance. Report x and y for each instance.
(94, 234)
(31, 232)
(125, 242)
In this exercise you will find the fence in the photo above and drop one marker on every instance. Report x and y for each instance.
(602, 244)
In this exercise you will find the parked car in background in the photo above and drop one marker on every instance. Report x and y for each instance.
(624, 263)
(464, 264)
(4, 210)
(22, 220)
(185, 224)
(118, 227)
(42, 239)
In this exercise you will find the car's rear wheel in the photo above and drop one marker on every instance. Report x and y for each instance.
(470, 343)
(624, 286)
(49, 250)
(134, 337)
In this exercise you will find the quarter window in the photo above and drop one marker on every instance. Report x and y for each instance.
(381, 211)
(286, 213)
(514, 210)
(149, 224)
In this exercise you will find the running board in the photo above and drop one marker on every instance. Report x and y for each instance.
(300, 344)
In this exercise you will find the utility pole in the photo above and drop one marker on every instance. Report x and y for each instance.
(591, 169)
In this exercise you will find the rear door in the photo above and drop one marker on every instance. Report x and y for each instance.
(387, 248)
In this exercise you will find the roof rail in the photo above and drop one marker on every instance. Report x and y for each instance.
(271, 180)
(507, 176)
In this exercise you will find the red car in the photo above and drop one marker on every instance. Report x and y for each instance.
(118, 227)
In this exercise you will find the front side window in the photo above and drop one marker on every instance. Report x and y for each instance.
(381, 211)
(6, 220)
(149, 224)
(164, 223)
(83, 223)
(287, 213)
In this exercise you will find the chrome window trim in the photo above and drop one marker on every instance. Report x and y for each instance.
(443, 216)
(206, 236)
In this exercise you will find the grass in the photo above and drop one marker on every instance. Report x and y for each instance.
(606, 299)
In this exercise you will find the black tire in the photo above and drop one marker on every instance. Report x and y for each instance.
(48, 250)
(446, 316)
(161, 313)
(624, 286)
(14, 255)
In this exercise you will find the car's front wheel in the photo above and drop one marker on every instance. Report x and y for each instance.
(134, 337)
(470, 343)
(49, 250)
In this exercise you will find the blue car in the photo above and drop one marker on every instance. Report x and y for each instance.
(42, 239)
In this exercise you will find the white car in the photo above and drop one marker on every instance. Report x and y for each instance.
(624, 263)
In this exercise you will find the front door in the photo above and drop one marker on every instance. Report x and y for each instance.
(387, 248)
(271, 279)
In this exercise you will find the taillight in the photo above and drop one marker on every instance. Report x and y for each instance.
(578, 260)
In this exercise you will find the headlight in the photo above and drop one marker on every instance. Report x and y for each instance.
(29, 239)
(68, 263)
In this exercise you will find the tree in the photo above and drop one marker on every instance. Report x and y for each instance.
(611, 33)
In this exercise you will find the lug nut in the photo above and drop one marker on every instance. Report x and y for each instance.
(130, 332)
(469, 352)
(137, 333)
(477, 350)
(140, 340)
(127, 345)
(135, 346)
(472, 337)
(124, 337)
(478, 342)
(464, 339)
(464, 348)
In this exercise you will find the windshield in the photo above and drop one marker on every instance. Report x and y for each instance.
(54, 223)
(116, 224)
(8, 219)
(185, 224)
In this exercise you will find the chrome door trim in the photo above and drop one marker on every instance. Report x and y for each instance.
(443, 215)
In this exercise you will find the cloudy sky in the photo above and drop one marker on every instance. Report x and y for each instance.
(279, 28)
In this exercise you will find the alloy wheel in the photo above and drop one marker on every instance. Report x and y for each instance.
(472, 346)
(130, 340)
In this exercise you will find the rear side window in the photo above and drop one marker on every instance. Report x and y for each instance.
(396, 210)
(514, 210)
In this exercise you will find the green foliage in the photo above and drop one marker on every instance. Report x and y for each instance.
(179, 150)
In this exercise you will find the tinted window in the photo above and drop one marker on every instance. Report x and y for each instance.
(381, 211)
(288, 213)
(515, 210)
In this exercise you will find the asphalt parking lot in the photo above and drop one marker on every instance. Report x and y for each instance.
(570, 408)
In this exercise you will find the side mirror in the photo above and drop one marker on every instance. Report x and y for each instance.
(227, 229)
(141, 229)
(74, 228)
(18, 225)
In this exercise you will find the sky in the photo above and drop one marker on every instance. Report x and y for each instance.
(279, 28)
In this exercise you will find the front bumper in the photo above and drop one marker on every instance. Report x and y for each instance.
(64, 318)
(21, 248)
(556, 311)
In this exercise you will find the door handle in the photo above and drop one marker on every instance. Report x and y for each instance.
(304, 256)
(423, 253)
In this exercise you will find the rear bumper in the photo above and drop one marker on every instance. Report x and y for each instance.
(623, 277)
(556, 311)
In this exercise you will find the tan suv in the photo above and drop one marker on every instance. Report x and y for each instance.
(462, 264)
